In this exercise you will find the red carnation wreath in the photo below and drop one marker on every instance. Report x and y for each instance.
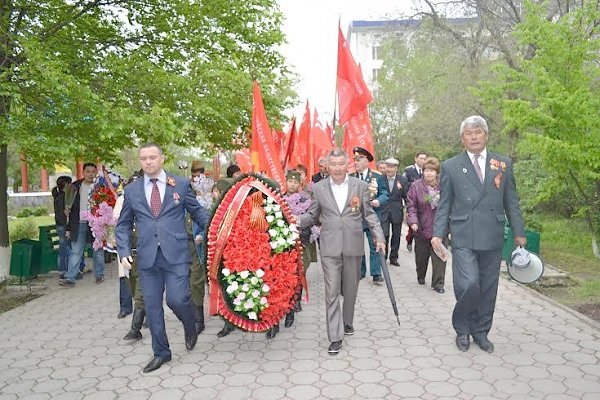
(254, 256)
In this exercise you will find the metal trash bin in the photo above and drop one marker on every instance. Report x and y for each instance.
(25, 258)
(533, 242)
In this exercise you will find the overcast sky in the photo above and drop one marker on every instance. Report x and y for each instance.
(311, 30)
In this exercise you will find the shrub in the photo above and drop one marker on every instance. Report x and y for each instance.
(25, 212)
(39, 211)
(26, 229)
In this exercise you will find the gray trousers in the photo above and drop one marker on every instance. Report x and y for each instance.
(475, 277)
(341, 276)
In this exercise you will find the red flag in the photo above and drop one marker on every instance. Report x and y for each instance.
(321, 145)
(290, 145)
(243, 160)
(359, 133)
(330, 134)
(353, 93)
(302, 145)
(265, 156)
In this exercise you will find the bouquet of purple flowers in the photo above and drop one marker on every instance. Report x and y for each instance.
(299, 203)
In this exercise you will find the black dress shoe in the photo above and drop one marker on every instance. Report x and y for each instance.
(463, 342)
(200, 319)
(484, 344)
(156, 363)
(421, 281)
(123, 314)
(409, 248)
(289, 319)
(227, 329)
(190, 340)
(395, 262)
(378, 279)
(271, 333)
(348, 330)
(335, 347)
(440, 290)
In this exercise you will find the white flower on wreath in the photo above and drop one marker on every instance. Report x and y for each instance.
(253, 280)
(280, 241)
(237, 301)
(255, 293)
(230, 289)
(276, 207)
(235, 286)
(244, 274)
(272, 232)
(278, 214)
(245, 287)
(293, 228)
(252, 315)
(268, 209)
(226, 272)
(290, 241)
(260, 273)
(286, 231)
(248, 304)
(270, 200)
(241, 296)
(280, 223)
(263, 300)
(270, 218)
(273, 245)
(265, 288)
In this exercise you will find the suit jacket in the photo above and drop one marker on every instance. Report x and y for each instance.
(475, 213)
(393, 210)
(167, 230)
(383, 194)
(73, 224)
(342, 233)
(317, 177)
(412, 174)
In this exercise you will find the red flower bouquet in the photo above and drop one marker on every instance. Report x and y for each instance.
(254, 263)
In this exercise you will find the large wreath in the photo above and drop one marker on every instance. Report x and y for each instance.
(254, 256)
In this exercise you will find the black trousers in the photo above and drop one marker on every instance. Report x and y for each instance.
(423, 252)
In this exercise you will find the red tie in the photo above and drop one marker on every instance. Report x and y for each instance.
(155, 202)
(477, 167)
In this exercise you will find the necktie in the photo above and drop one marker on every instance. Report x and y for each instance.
(477, 167)
(155, 202)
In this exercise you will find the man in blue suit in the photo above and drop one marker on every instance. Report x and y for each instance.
(157, 205)
(379, 195)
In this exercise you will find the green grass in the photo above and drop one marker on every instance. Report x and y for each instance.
(39, 221)
(590, 291)
(567, 244)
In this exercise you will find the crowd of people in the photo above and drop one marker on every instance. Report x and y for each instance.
(466, 199)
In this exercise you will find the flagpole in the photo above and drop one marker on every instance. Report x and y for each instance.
(336, 80)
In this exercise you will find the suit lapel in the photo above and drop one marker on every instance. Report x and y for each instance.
(142, 195)
(168, 199)
(468, 169)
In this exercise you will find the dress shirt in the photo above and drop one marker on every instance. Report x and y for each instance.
(340, 193)
(419, 171)
(391, 182)
(161, 183)
(84, 199)
(481, 161)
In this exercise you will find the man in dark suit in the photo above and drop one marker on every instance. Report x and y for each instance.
(322, 174)
(413, 173)
(157, 205)
(392, 212)
(478, 192)
(379, 196)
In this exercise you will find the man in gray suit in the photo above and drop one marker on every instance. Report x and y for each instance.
(157, 205)
(340, 203)
(478, 192)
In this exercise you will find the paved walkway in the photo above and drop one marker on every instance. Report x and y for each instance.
(67, 345)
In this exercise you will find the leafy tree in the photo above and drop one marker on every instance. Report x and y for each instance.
(88, 78)
(551, 98)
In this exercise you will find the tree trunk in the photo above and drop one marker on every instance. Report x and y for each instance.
(4, 242)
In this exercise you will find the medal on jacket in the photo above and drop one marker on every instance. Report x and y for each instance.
(373, 188)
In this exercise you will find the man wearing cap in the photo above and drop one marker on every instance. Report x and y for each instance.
(477, 194)
(342, 204)
(379, 195)
(392, 212)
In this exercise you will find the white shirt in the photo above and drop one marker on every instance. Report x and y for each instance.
(161, 183)
(340, 192)
(84, 201)
(418, 169)
(480, 161)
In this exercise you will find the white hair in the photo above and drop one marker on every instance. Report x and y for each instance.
(337, 153)
(474, 121)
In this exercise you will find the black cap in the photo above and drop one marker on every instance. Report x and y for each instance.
(361, 152)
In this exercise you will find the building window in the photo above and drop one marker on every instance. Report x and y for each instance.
(375, 74)
(375, 52)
